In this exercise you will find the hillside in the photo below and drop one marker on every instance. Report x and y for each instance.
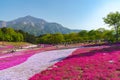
(36, 26)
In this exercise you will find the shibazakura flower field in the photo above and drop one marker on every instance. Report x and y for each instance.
(91, 63)
(16, 58)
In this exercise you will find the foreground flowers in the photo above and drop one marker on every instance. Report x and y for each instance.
(34, 64)
(13, 59)
(95, 63)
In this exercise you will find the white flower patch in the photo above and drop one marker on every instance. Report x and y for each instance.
(34, 65)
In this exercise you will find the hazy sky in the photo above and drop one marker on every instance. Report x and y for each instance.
(74, 14)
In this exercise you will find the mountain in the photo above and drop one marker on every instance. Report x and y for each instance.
(2, 24)
(36, 26)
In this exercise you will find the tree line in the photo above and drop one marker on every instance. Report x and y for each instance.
(92, 36)
(11, 35)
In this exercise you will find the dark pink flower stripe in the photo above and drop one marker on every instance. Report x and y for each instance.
(85, 64)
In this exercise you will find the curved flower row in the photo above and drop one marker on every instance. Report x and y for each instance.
(85, 64)
(16, 58)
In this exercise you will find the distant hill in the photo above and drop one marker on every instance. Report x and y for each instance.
(2, 24)
(36, 26)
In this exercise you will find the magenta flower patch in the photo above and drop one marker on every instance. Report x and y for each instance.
(85, 64)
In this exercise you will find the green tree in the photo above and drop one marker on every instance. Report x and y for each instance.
(91, 35)
(9, 34)
(113, 19)
(74, 37)
(1, 35)
(84, 35)
(57, 38)
(44, 39)
(109, 36)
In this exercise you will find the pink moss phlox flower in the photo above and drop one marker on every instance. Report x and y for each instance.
(95, 63)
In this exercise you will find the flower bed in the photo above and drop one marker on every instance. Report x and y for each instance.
(85, 64)
(6, 47)
(15, 59)
(12, 59)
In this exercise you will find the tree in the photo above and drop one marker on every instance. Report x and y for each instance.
(113, 19)
(109, 35)
(57, 38)
(84, 35)
(91, 35)
(1, 35)
(73, 37)
(9, 34)
(44, 39)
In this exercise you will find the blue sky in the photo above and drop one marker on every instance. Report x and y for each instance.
(74, 14)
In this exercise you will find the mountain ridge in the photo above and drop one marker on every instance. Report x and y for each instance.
(36, 26)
